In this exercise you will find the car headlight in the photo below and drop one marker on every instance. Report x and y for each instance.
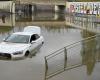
(18, 52)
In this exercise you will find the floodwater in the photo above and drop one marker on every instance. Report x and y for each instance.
(57, 35)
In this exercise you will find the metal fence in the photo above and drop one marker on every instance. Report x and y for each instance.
(72, 56)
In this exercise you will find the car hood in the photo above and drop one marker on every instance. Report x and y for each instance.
(6, 47)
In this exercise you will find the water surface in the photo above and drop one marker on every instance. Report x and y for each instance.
(57, 35)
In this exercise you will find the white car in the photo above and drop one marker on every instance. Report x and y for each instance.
(21, 44)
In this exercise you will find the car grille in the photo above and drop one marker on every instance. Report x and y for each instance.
(6, 55)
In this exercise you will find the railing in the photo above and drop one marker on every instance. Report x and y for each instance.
(63, 57)
(87, 22)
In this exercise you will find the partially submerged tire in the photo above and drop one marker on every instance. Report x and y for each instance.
(27, 54)
(42, 42)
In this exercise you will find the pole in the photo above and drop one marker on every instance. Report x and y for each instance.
(65, 61)
(46, 68)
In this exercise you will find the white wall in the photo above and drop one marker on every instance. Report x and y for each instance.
(8, 6)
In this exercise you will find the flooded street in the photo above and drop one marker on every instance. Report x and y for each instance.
(57, 35)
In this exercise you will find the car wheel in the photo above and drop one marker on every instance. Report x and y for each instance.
(27, 54)
(42, 42)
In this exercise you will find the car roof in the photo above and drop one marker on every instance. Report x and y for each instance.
(24, 33)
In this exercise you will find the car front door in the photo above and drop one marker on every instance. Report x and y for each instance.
(34, 41)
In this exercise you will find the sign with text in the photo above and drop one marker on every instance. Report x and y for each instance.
(83, 7)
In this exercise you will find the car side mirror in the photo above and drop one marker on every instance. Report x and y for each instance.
(33, 42)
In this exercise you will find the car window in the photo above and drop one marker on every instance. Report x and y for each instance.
(17, 38)
(37, 36)
(34, 37)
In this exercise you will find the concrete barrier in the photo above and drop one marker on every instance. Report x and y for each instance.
(7, 6)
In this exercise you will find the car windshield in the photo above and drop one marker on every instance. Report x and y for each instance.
(17, 38)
